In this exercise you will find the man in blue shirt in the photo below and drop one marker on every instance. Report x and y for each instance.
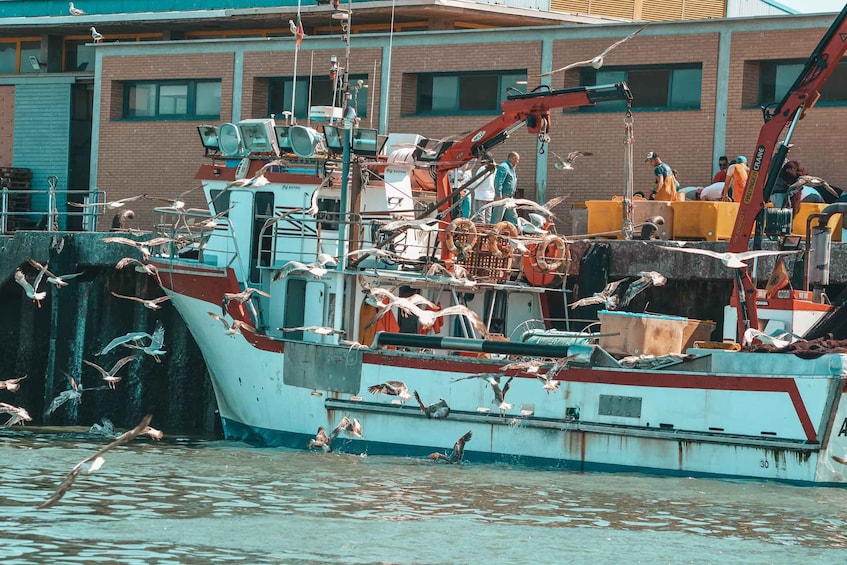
(505, 183)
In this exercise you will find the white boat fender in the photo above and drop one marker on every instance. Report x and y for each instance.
(462, 227)
(543, 259)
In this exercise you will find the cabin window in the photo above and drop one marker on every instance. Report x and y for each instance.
(666, 87)
(777, 77)
(280, 91)
(260, 247)
(329, 212)
(465, 93)
(172, 100)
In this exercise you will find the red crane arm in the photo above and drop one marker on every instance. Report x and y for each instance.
(533, 109)
(802, 96)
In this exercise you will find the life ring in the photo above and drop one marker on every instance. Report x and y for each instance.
(541, 255)
(505, 229)
(461, 228)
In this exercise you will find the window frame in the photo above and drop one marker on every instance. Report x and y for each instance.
(460, 77)
(190, 105)
(826, 89)
(587, 77)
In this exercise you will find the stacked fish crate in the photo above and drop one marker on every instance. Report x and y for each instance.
(17, 182)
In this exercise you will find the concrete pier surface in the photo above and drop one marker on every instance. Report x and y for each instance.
(73, 323)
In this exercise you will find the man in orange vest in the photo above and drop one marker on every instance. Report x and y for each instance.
(736, 180)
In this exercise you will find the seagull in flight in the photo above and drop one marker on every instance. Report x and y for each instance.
(435, 411)
(31, 290)
(620, 293)
(58, 281)
(500, 394)
(458, 451)
(12, 385)
(130, 337)
(731, 260)
(73, 394)
(96, 35)
(391, 388)
(320, 330)
(111, 376)
(18, 415)
(233, 328)
(523, 204)
(94, 462)
(140, 267)
(566, 164)
(74, 11)
(151, 303)
(808, 180)
(317, 269)
(350, 428)
(423, 224)
(111, 205)
(154, 348)
(597, 61)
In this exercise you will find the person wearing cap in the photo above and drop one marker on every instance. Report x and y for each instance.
(664, 186)
(736, 180)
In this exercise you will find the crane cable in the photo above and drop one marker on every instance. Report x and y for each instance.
(628, 141)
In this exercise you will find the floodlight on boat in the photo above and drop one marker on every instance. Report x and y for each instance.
(303, 140)
(229, 139)
(334, 143)
(258, 136)
(208, 137)
(282, 140)
(364, 142)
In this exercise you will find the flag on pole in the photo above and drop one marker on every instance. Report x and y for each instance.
(297, 31)
(778, 280)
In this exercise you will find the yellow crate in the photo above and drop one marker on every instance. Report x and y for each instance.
(702, 220)
(642, 210)
(604, 216)
(798, 226)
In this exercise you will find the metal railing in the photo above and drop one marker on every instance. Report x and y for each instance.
(17, 211)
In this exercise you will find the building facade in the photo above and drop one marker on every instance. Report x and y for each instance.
(130, 125)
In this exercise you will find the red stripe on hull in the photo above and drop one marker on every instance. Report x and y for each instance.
(190, 280)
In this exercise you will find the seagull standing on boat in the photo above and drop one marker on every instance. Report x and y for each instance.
(731, 260)
(435, 411)
(391, 388)
(31, 290)
(96, 35)
(12, 385)
(94, 462)
(566, 164)
(321, 441)
(74, 11)
(597, 61)
(458, 451)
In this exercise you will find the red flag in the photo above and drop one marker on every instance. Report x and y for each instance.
(778, 280)
(297, 31)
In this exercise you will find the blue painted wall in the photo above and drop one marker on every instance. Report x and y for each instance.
(18, 8)
(42, 135)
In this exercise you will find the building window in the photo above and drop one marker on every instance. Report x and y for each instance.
(280, 90)
(172, 100)
(777, 77)
(8, 57)
(465, 93)
(675, 87)
(79, 55)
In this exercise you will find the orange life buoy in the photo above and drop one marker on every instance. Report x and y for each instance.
(461, 228)
(543, 259)
(497, 247)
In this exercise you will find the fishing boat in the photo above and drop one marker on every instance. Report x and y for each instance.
(352, 247)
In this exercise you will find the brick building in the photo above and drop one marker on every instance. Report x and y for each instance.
(698, 86)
